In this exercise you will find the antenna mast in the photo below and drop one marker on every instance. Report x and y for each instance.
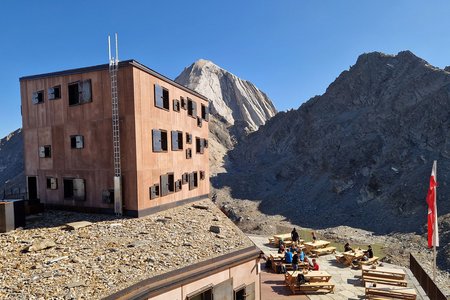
(113, 68)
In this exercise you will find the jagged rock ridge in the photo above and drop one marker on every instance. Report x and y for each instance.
(361, 153)
(232, 98)
(11, 161)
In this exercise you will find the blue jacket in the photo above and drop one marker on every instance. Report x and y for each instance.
(288, 257)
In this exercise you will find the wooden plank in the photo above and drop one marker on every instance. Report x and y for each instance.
(397, 282)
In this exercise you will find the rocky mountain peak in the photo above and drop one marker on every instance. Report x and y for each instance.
(237, 101)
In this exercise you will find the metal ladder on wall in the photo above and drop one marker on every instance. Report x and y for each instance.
(113, 69)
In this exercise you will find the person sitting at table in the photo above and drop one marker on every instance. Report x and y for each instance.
(314, 266)
(294, 236)
(288, 257)
(347, 247)
(295, 262)
(314, 238)
(368, 253)
(281, 247)
(302, 255)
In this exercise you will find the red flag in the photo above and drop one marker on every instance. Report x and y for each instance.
(433, 239)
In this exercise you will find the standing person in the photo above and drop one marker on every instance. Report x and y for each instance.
(302, 255)
(314, 238)
(295, 262)
(294, 236)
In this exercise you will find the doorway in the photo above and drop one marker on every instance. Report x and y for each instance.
(32, 188)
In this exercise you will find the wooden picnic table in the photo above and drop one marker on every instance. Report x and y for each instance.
(383, 272)
(309, 246)
(350, 256)
(311, 276)
(389, 291)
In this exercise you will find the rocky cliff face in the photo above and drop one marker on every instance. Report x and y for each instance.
(362, 152)
(234, 99)
(11, 162)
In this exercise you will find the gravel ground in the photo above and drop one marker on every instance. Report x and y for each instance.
(111, 254)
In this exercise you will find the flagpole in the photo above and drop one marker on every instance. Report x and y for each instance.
(435, 230)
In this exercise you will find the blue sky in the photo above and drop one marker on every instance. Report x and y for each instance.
(290, 49)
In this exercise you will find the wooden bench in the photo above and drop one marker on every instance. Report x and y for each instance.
(388, 281)
(391, 292)
(340, 258)
(322, 251)
(369, 262)
(312, 287)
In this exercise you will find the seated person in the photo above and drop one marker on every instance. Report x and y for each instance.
(368, 253)
(281, 248)
(295, 262)
(302, 255)
(314, 266)
(288, 257)
(347, 247)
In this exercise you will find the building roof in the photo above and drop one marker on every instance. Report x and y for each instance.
(106, 67)
(113, 253)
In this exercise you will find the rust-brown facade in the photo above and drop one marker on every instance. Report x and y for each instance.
(68, 146)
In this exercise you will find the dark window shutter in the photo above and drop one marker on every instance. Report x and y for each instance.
(194, 109)
(159, 102)
(174, 140)
(79, 141)
(223, 290)
(191, 181)
(42, 151)
(180, 140)
(85, 91)
(156, 136)
(35, 98)
(73, 142)
(164, 185)
(164, 140)
(199, 122)
(171, 182)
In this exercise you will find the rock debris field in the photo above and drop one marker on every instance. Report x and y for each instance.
(49, 260)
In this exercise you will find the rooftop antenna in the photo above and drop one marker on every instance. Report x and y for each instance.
(113, 68)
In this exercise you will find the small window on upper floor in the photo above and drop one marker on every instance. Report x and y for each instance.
(45, 151)
(199, 145)
(202, 175)
(188, 138)
(188, 153)
(191, 108)
(76, 142)
(176, 105)
(177, 140)
(52, 183)
(154, 191)
(161, 97)
(80, 92)
(199, 122)
(183, 103)
(205, 112)
(54, 92)
(159, 142)
(37, 97)
(193, 180)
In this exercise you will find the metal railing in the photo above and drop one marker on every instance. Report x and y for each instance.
(13, 193)
(425, 281)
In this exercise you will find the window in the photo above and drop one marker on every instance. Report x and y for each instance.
(183, 103)
(74, 188)
(154, 191)
(167, 184)
(188, 138)
(192, 108)
(202, 175)
(159, 143)
(37, 97)
(205, 112)
(76, 142)
(205, 143)
(54, 92)
(176, 105)
(45, 151)
(80, 92)
(161, 97)
(108, 196)
(199, 145)
(178, 185)
(245, 292)
(184, 178)
(177, 140)
(188, 153)
(199, 122)
(193, 180)
(205, 294)
(52, 183)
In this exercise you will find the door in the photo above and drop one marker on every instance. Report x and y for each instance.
(32, 188)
